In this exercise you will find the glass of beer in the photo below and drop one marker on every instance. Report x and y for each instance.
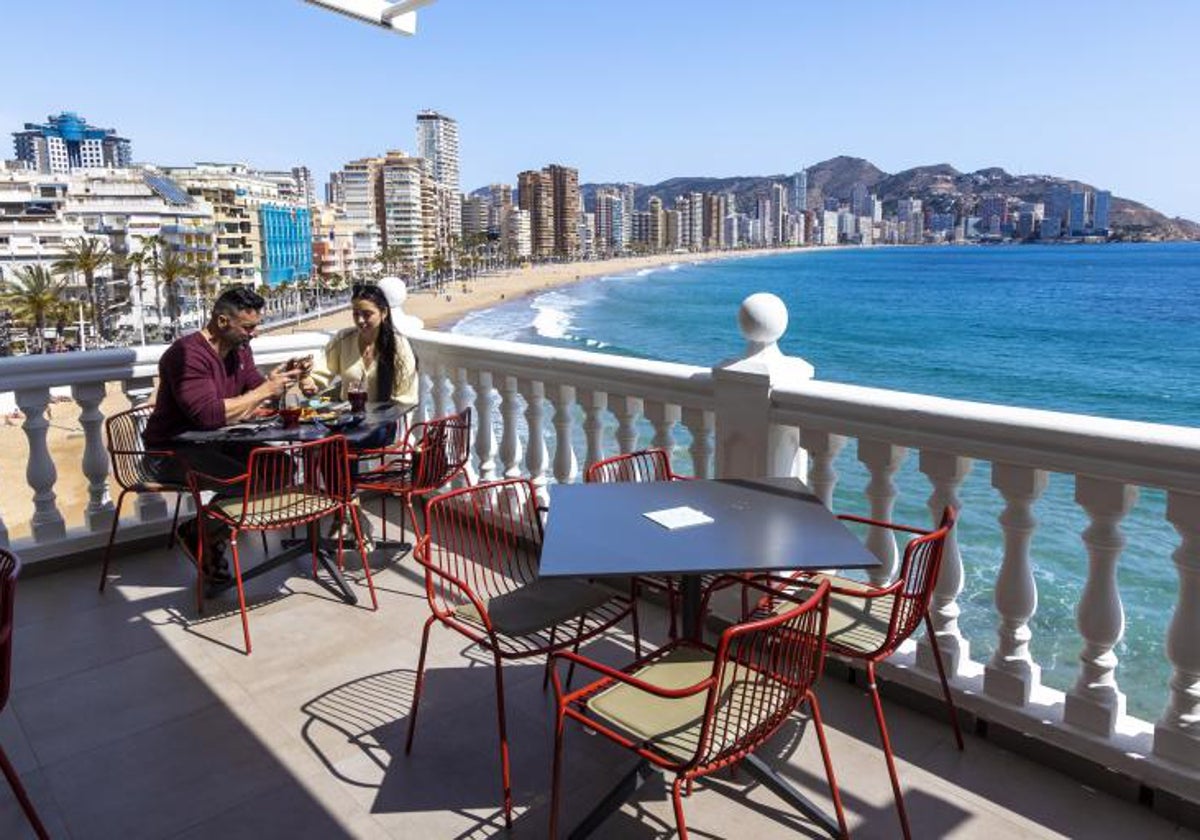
(357, 395)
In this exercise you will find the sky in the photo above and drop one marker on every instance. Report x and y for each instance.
(635, 90)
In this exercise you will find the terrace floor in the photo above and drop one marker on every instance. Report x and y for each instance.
(132, 717)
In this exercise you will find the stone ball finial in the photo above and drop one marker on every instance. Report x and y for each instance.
(763, 319)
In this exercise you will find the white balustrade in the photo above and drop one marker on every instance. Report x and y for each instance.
(663, 417)
(627, 409)
(595, 403)
(823, 449)
(566, 466)
(510, 441)
(99, 511)
(702, 426)
(1012, 675)
(485, 437)
(534, 393)
(47, 523)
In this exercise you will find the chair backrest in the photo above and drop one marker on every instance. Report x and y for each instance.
(918, 576)
(444, 446)
(762, 671)
(126, 449)
(278, 476)
(488, 536)
(643, 465)
(10, 569)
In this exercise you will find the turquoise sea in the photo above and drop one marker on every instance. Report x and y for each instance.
(1111, 330)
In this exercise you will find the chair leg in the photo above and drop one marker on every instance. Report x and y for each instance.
(174, 522)
(14, 781)
(637, 632)
(362, 553)
(556, 774)
(829, 774)
(112, 535)
(673, 609)
(505, 776)
(677, 801)
(937, 657)
(237, 572)
(412, 714)
(873, 687)
(383, 516)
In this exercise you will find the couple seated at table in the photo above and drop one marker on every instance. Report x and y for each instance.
(208, 379)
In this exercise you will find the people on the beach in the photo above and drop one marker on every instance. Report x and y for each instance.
(206, 380)
(374, 351)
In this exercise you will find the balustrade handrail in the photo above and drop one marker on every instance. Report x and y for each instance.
(1146, 454)
(669, 381)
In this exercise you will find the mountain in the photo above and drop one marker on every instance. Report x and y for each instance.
(939, 186)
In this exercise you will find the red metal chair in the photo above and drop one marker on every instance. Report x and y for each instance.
(130, 470)
(285, 487)
(691, 709)
(869, 623)
(10, 570)
(433, 454)
(481, 550)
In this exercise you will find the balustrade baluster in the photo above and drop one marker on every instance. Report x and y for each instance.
(534, 392)
(510, 441)
(702, 426)
(424, 399)
(1095, 702)
(566, 466)
(627, 410)
(442, 390)
(1012, 675)
(945, 472)
(98, 514)
(464, 397)
(1177, 733)
(882, 459)
(150, 506)
(594, 405)
(663, 417)
(485, 437)
(47, 522)
(823, 449)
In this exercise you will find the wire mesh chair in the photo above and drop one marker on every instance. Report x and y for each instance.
(869, 623)
(481, 552)
(286, 487)
(132, 472)
(10, 570)
(691, 709)
(433, 454)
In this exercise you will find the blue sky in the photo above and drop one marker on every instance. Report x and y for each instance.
(642, 91)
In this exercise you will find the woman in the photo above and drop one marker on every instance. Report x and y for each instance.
(373, 351)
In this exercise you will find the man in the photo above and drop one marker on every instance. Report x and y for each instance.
(207, 380)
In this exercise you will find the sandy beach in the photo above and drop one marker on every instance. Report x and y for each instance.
(65, 436)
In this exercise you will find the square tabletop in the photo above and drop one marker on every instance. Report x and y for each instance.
(764, 524)
(271, 431)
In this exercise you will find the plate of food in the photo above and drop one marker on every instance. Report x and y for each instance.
(343, 421)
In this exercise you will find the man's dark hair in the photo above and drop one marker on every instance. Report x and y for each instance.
(237, 299)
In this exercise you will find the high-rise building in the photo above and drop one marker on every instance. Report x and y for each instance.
(66, 142)
(799, 194)
(400, 202)
(860, 199)
(1100, 212)
(657, 231)
(437, 145)
(1080, 215)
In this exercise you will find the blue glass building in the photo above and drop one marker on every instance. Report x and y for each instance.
(286, 243)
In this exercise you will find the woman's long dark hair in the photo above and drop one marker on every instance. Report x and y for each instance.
(385, 342)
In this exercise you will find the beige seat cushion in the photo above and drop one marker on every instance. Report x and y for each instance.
(672, 725)
(283, 506)
(857, 624)
(538, 605)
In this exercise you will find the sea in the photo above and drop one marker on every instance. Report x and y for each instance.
(1110, 330)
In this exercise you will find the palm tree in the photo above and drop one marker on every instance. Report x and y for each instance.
(138, 261)
(171, 270)
(33, 295)
(205, 275)
(151, 248)
(87, 256)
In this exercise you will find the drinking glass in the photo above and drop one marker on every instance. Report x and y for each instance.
(357, 395)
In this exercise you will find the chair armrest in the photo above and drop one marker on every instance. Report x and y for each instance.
(622, 677)
(878, 523)
(195, 477)
(834, 589)
(456, 583)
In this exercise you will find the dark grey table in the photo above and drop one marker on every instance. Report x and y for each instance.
(271, 431)
(760, 525)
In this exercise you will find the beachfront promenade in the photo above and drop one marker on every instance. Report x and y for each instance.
(547, 413)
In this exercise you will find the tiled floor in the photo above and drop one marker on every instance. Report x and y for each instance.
(132, 717)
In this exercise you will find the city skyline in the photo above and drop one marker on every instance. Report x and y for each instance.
(691, 90)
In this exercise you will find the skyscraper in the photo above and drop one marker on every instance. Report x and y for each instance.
(799, 194)
(67, 142)
(437, 143)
